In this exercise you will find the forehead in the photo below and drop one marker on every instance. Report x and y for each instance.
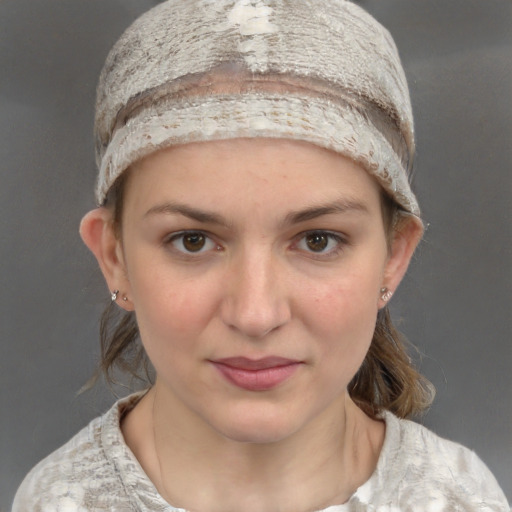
(249, 172)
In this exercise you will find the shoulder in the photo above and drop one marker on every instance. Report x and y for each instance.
(429, 469)
(78, 476)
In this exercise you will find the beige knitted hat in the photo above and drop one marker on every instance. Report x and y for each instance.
(319, 71)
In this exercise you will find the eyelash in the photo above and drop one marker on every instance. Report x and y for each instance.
(179, 237)
(338, 240)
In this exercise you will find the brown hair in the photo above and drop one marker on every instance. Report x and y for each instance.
(387, 378)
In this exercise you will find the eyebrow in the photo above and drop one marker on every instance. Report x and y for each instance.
(187, 211)
(293, 217)
(339, 206)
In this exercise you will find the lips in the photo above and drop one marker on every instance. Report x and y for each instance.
(256, 374)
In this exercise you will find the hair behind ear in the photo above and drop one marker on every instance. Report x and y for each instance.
(387, 379)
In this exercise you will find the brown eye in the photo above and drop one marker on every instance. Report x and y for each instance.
(321, 244)
(194, 242)
(317, 242)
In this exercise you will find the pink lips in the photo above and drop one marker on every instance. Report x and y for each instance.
(256, 375)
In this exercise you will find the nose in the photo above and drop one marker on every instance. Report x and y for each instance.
(255, 301)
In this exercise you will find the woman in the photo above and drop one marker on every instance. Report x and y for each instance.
(255, 218)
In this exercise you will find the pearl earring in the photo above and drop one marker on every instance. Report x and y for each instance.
(385, 294)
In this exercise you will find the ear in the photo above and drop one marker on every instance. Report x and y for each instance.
(406, 237)
(97, 232)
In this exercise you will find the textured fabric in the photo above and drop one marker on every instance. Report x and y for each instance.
(417, 472)
(195, 70)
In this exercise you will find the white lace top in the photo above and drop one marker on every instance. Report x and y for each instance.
(417, 471)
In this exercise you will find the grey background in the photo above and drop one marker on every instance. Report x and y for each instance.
(455, 304)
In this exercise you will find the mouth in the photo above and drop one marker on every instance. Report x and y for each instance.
(256, 374)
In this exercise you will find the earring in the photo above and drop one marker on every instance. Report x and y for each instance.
(385, 294)
(113, 295)
(125, 298)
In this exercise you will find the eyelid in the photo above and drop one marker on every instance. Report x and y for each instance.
(340, 239)
(177, 235)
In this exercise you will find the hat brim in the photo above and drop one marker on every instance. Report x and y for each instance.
(338, 127)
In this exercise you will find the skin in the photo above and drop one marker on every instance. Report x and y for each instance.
(260, 286)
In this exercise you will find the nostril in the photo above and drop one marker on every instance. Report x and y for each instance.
(255, 321)
(254, 301)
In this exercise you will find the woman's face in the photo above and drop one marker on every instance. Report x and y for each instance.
(254, 268)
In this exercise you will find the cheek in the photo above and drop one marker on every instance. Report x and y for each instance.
(342, 314)
(345, 302)
(175, 314)
(171, 323)
(171, 308)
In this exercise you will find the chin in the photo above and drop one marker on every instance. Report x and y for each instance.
(259, 435)
(256, 426)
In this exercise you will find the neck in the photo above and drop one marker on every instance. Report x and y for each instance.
(320, 465)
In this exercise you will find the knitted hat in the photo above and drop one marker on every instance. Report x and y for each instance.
(197, 70)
